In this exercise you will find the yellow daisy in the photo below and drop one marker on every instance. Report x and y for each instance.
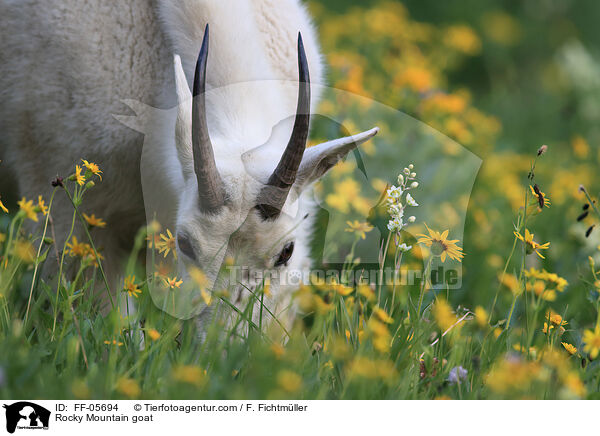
(531, 244)
(173, 282)
(360, 228)
(541, 198)
(440, 245)
(79, 178)
(131, 287)
(93, 168)
(93, 221)
(167, 244)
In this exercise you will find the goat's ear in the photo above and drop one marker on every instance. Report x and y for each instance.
(321, 158)
(183, 124)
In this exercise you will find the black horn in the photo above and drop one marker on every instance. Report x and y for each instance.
(210, 186)
(274, 194)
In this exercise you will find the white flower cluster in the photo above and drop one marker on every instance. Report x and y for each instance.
(398, 199)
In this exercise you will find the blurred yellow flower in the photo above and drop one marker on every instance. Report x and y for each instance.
(42, 206)
(382, 315)
(501, 28)
(289, 381)
(189, 374)
(154, 334)
(128, 387)
(172, 283)
(443, 314)
(570, 348)
(93, 221)
(591, 339)
(360, 228)
(24, 251)
(417, 78)
(29, 209)
(464, 39)
(114, 342)
(4, 209)
(481, 316)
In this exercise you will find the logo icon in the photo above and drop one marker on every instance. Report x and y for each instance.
(26, 415)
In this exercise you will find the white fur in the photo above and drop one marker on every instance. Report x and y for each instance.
(66, 66)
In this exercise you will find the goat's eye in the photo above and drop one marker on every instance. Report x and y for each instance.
(185, 246)
(285, 254)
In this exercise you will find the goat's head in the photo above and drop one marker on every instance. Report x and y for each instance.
(253, 219)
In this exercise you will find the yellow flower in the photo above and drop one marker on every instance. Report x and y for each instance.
(79, 178)
(83, 250)
(372, 369)
(154, 334)
(360, 228)
(173, 282)
(166, 244)
(343, 290)
(199, 277)
(555, 321)
(366, 291)
(531, 244)
(570, 348)
(93, 221)
(464, 39)
(42, 205)
(591, 339)
(277, 350)
(93, 168)
(481, 316)
(289, 381)
(443, 314)
(512, 374)
(113, 342)
(417, 78)
(131, 287)
(128, 387)
(24, 250)
(544, 201)
(77, 248)
(440, 245)
(382, 315)
(206, 297)
(190, 374)
(28, 208)
(3, 207)
(555, 318)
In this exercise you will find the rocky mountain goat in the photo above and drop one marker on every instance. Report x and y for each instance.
(229, 166)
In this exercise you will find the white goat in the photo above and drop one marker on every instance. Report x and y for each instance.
(66, 67)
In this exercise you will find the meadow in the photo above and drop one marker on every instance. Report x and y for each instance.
(486, 164)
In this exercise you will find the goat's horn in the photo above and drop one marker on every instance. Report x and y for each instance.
(210, 185)
(273, 196)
